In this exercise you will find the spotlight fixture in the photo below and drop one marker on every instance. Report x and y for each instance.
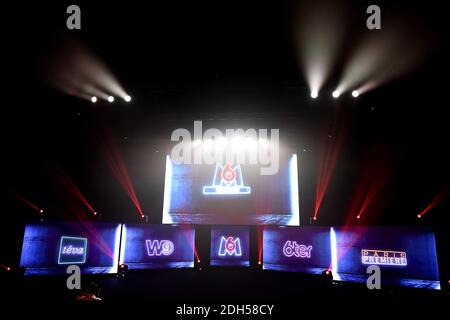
(41, 211)
(419, 216)
(94, 99)
(314, 218)
(314, 94)
(95, 213)
(336, 94)
(355, 93)
(127, 98)
(123, 269)
(358, 217)
(327, 275)
(110, 99)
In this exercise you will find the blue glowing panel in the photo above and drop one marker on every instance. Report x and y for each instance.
(306, 249)
(230, 246)
(231, 193)
(157, 246)
(49, 248)
(406, 256)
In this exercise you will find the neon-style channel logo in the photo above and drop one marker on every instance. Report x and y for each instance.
(159, 247)
(383, 257)
(230, 247)
(72, 250)
(227, 180)
(292, 249)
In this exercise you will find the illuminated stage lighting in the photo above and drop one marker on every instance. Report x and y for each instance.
(327, 274)
(221, 143)
(198, 261)
(314, 94)
(8, 268)
(355, 93)
(110, 99)
(336, 94)
(262, 142)
(237, 143)
(358, 217)
(208, 143)
(127, 98)
(251, 143)
(314, 218)
(259, 262)
(41, 211)
(123, 268)
(95, 213)
(419, 216)
(94, 99)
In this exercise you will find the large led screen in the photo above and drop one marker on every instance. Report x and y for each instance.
(230, 246)
(231, 193)
(157, 246)
(51, 247)
(405, 256)
(306, 249)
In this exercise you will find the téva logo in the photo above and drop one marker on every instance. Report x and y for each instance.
(230, 246)
(227, 180)
(159, 247)
(72, 250)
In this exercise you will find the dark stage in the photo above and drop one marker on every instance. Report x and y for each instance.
(226, 152)
(163, 291)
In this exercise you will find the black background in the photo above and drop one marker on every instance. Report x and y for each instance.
(213, 60)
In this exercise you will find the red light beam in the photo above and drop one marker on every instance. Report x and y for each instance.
(29, 203)
(331, 146)
(439, 198)
(70, 186)
(119, 169)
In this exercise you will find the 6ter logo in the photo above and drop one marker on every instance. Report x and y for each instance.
(291, 248)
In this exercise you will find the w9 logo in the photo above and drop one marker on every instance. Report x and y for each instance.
(159, 247)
